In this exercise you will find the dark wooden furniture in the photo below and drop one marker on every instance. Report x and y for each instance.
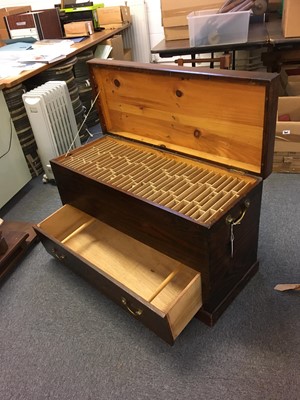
(16, 239)
(42, 24)
(162, 213)
(224, 61)
(281, 50)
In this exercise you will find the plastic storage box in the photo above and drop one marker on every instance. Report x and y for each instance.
(208, 28)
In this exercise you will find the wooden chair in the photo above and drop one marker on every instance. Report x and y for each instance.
(224, 60)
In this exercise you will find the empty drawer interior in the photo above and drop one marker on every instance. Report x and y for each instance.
(153, 276)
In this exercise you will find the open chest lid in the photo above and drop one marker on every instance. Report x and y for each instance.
(225, 117)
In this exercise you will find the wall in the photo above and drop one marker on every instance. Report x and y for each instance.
(14, 173)
(153, 8)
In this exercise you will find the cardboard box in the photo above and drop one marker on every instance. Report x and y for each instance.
(128, 55)
(9, 11)
(80, 28)
(194, 5)
(288, 115)
(290, 18)
(174, 13)
(3, 36)
(293, 85)
(290, 80)
(113, 17)
(287, 153)
(287, 141)
(116, 42)
(176, 33)
(287, 161)
(288, 106)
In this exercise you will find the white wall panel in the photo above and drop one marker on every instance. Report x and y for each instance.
(14, 173)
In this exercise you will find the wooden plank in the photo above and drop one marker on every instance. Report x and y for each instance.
(212, 118)
(186, 307)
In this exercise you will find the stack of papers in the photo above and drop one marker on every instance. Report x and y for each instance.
(20, 56)
(47, 51)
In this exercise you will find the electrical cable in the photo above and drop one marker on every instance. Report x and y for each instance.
(83, 122)
(10, 141)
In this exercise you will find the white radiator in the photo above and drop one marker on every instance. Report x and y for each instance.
(137, 36)
(52, 120)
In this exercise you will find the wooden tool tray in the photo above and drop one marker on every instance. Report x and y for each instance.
(193, 189)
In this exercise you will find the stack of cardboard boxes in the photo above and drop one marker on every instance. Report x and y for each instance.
(287, 142)
(175, 12)
(113, 18)
(118, 52)
(290, 18)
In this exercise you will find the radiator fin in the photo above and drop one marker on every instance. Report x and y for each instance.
(52, 120)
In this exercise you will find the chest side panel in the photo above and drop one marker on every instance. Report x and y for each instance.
(229, 266)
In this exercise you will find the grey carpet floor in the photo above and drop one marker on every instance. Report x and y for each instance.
(61, 339)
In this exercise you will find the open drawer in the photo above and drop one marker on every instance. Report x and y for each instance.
(158, 290)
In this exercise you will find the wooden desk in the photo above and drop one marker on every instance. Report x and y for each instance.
(88, 43)
(281, 50)
(257, 37)
(267, 35)
(14, 172)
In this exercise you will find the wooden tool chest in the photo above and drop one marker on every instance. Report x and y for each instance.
(162, 212)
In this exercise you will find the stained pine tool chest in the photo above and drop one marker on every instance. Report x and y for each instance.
(162, 212)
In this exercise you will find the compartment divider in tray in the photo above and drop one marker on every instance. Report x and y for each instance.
(188, 187)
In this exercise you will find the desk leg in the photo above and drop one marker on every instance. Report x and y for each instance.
(233, 60)
(192, 57)
(212, 62)
(275, 58)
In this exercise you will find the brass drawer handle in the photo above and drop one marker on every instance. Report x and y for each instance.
(231, 221)
(136, 313)
(60, 257)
